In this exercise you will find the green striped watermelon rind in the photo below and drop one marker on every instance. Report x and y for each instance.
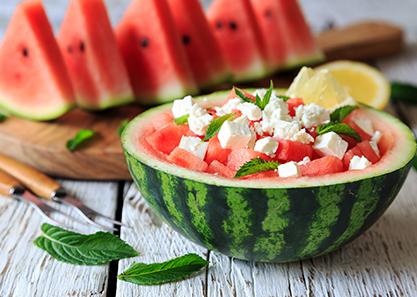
(259, 220)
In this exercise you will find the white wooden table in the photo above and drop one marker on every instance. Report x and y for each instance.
(382, 262)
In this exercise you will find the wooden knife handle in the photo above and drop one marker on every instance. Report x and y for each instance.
(31, 178)
(7, 184)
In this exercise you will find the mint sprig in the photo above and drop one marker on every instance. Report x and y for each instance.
(256, 165)
(338, 115)
(182, 120)
(339, 128)
(3, 117)
(160, 273)
(81, 138)
(80, 249)
(242, 95)
(215, 126)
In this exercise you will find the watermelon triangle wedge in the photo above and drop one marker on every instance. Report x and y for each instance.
(34, 82)
(155, 59)
(92, 56)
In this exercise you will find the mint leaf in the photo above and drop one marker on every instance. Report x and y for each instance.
(2, 117)
(122, 127)
(215, 126)
(341, 113)
(160, 273)
(267, 96)
(283, 98)
(255, 166)
(80, 249)
(82, 137)
(403, 92)
(242, 96)
(339, 128)
(182, 120)
(258, 101)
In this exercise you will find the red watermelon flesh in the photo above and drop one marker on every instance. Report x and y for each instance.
(240, 156)
(155, 59)
(322, 166)
(293, 103)
(215, 152)
(203, 52)
(168, 137)
(238, 34)
(350, 154)
(300, 42)
(218, 168)
(268, 15)
(95, 64)
(293, 151)
(368, 151)
(186, 159)
(34, 82)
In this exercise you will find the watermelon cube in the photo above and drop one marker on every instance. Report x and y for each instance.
(293, 103)
(167, 138)
(322, 166)
(215, 152)
(218, 168)
(349, 120)
(240, 156)
(367, 150)
(186, 159)
(293, 151)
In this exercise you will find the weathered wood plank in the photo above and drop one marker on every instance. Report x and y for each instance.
(156, 242)
(28, 271)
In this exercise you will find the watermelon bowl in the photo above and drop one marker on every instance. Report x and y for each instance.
(268, 220)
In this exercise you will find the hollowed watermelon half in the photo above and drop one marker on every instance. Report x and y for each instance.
(34, 82)
(269, 219)
(92, 56)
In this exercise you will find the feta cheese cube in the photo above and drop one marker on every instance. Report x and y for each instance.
(303, 137)
(235, 135)
(182, 107)
(286, 130)
(359, 163)
(304, 161)
(267, 145)
(331, 144)
(198, 125)
(289, 169)
(251, 111)
(258, 128)
(229, 107)
(365, 125)
(276, 110)
(311, 115)
(242, 120)
(194, 145)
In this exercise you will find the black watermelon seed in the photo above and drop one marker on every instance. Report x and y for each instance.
(25, 52)
(69, 49)
(268, 13)
(233, 25)
(82, 46)
(144, 42)
(219, 25)
(186, 39)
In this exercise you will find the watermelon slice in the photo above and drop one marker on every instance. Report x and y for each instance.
(203, 52)
(322, 166)
(299, 40)
(272, 32)
(186, 159)
(94, 62)
(34, 82)
(151, 48)
(239, 37)
(218, 168)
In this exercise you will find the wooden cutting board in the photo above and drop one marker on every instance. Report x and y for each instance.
(43, 145)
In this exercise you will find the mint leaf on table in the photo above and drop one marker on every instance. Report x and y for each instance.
(339, 128)
(242, 96)
(215, 126)
(341, 113)
(182, 120)
(82, 137)
(160, 273)
(122, 126)
(80, 249)
(403, 92)
(3, 117)
(256, 166)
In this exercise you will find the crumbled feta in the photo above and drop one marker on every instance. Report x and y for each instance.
(235, 135)
(199, 119)
(311, 115)
(229, 107)
(376, 137)
(286, 130)
(289, 169)
(331, 144)
(276, 110)
(303, 137)
(304, 161)
(258, 128)
(194, 145)
(359, 163)
(182, 107)
(364, 124)
(250, 110)
(266, 145)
